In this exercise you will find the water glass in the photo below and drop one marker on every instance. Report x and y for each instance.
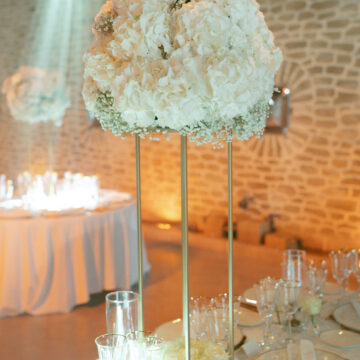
(121, 312)
(294, 265)
(266, 293)
(339, 261)
(142, 345)
(110, 346)
(288, 301)
(316, 275)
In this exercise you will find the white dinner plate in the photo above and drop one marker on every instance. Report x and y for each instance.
(281, 354)
(347, 316)
(248, 318)
(249, 296)
(171, 330)
(342, 339)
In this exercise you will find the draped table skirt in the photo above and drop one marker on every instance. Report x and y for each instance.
(49, 265)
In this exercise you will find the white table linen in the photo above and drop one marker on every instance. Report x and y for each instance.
(49, 265)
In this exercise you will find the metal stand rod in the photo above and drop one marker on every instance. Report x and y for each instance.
(139, 234)
(184, 244)
(230, 254)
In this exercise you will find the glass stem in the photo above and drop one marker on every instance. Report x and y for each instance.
(267, 330)
(289, 332)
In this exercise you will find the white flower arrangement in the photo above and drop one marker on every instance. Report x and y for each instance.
(312, 305)
(200, 350)
(204, 68)
(35, 95)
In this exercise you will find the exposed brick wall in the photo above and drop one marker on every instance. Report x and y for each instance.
(310, 176)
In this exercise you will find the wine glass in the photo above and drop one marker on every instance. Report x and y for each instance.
(288, 301)
(355, 265)
(266, 293)
(143, 345)
(349, 268)
(110, 346)
(339, 261)
(294, 265)
(218, 315)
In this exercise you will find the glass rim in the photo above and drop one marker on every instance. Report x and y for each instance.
(107, 335)
(293, 253)
(133, 296)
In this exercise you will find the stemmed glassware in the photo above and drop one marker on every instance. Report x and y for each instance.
(316, 275)
(121, 312)
(110, 346)
(355, 266)
(339, 261)
(209, 318)
(288, 301)
(266, 294)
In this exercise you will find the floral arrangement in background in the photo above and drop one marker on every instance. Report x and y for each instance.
(204, 68)
(200, 350)
(35, 95)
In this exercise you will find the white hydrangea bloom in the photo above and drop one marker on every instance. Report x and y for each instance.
(35, 95)
(197, 67)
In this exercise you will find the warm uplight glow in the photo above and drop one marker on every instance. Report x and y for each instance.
(163, 226)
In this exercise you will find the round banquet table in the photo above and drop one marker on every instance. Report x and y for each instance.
(51, 264)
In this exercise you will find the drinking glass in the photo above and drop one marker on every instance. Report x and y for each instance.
(110, 346)
(142, 345)
(316, 275)
(288, 300)
(339, 261)
(198, 314)
(294, 265)
(349, 268)
(355, 265)
(121, 312)
(266, 293)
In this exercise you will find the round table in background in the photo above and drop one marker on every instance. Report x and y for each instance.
(50, 264)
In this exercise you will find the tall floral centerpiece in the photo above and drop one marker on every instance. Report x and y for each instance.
(199, 68)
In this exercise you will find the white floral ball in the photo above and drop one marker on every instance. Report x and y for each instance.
(199, 67)
(35, 95)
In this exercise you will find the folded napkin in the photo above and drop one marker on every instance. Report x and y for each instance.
(356, 306)
(306, 349)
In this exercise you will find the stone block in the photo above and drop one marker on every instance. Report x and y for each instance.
(345, 205)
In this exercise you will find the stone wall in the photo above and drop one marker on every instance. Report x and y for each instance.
(310, 176)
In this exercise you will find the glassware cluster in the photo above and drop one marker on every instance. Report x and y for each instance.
(49, 192)
(293, 300)
(209, 322)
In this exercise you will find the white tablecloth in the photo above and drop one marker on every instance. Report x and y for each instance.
(49, 265)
